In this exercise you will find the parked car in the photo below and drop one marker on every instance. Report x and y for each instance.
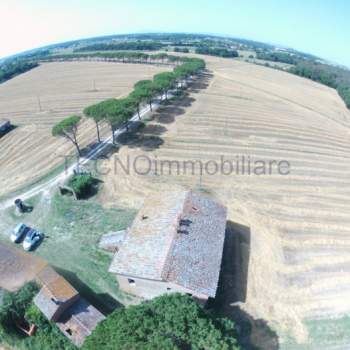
(19, 232)
(33, 238)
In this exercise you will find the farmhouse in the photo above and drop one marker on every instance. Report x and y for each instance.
(61, 303)
(5, 125)
(175, 244)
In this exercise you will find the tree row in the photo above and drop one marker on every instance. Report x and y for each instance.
(119, 112)
(120, 56)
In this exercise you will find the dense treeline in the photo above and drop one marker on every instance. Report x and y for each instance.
(317, 72)
(181, 49)
(212, 51)
(9, 70)
(331, 76)
(344, 92)
(127, 45)
(120, 56)
(118, 112)
(168, 322)
(282, 57)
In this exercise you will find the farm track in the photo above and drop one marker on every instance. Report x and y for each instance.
(299, 264)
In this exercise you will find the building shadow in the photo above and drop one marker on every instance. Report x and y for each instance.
(252, 334)
(104, 302)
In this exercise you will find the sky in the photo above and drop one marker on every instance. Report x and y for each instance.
(319, 27)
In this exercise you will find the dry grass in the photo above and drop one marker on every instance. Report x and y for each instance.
(299, 248)
(29, 151)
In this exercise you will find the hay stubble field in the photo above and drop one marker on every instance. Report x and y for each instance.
(298, 254)
(294, 248)
(38, 99)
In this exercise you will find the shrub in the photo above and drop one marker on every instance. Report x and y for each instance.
(47, 335)
(82, 185)
(19, 306)
(14, 305)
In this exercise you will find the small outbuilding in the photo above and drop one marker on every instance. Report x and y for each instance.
(79, 321)
(175, 244)
(62, 304)
(56, 294)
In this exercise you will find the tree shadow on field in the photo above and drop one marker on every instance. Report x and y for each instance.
(252, 334)
(201, 82)
(108, 150)
(167, 113)
(102, 301)
(145, 137)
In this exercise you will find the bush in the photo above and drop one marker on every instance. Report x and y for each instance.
(19, 306)
(169, 322)
(47, 335)
(14, 305)
(82, 185)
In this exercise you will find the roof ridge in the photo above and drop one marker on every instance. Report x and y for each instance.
(166, 271)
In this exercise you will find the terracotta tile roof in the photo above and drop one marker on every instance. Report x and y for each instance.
(79, 321)
(194, 261)
(55, 284)
(178, 237)
(146, 246)
(56, 293)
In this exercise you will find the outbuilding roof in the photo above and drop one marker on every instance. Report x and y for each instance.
(79, 321)
(55, 293)
(177, 236)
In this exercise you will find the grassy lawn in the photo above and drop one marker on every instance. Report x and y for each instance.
(323, 334)
(72, 231)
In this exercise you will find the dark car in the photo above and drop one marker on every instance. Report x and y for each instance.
(33, 238)
(19, 232)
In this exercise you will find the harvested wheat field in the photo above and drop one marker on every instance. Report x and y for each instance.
(292, 264)
(38, 99)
